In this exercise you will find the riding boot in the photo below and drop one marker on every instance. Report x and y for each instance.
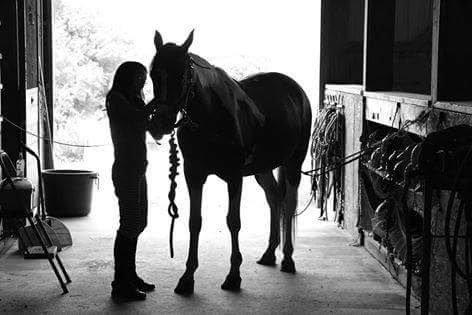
(123, 285)
(140, 283)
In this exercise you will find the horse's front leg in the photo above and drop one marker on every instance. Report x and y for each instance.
(195, 183)
(291, 200)
(233, 220)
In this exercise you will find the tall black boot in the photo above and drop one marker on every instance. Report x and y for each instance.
(123, 285)
(140, 283)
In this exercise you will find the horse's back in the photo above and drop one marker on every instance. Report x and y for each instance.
(286, 132)
(276, 93)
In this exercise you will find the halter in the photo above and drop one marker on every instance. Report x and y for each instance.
(188, 91)
(187, 88)
(181, 104)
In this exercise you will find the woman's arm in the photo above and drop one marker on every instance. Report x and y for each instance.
(118, 105)
(151, 106)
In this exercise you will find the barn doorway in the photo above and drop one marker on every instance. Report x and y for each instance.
(91, 38)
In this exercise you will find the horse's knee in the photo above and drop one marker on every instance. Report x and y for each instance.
(192, 265)
(288, 248)
(234, 223)
(276, 237)
(236, 259)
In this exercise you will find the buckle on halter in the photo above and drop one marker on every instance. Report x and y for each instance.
(186, 121)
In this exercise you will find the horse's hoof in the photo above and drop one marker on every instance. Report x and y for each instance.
(288, 265)
(185, 286)
(232, 283)
(267, 260)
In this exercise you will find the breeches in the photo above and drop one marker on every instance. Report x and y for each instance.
(131, 190)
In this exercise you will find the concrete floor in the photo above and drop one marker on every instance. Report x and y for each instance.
(332, 276)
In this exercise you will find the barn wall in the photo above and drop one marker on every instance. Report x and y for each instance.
(10, 41)
(21, 45)
(350, 99)
(32, 33)
(415, 60)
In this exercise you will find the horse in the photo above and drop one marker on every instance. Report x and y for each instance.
(232, 129)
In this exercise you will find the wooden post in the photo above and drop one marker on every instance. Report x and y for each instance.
(47, 75)
(426, 261)
(1, 88)
(435, 51)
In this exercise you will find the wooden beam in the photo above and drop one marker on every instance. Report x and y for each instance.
(323, 51)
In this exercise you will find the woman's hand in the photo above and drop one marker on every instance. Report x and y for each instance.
(162, 121)
(151, 106)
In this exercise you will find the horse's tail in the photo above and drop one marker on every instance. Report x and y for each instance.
(286, 213)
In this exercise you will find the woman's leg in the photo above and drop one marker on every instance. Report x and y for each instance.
(143, 202)
(132, 200)
(132, 222)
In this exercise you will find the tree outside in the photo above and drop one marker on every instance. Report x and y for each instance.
(86, 52)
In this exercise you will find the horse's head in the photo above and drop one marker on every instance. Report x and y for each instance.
(171, 76)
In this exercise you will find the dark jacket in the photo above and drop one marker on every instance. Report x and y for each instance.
(128, 122)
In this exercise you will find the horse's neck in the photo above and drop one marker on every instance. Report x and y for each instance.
(222, 105)
(200, 106)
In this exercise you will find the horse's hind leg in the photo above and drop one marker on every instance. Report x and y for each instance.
(195, 181)
(292, 180)
(274, 199)
(233, 220)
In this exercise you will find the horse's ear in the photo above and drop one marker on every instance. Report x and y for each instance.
(188, 41)
(158, 40)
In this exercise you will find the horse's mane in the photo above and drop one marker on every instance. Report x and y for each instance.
(246, 115)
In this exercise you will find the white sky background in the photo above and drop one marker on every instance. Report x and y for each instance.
(275, 35)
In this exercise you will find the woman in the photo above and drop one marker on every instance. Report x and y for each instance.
(128, 115)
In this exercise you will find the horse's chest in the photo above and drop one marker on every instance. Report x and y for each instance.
(212, 151)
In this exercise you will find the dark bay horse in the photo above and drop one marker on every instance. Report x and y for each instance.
(232, 129)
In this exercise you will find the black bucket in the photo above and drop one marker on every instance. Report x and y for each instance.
(68, 193)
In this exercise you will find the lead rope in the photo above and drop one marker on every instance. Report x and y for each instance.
(173, 210)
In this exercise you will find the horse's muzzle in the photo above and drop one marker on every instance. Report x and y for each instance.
(162, 121)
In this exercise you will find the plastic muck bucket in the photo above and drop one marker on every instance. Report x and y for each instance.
(68, 193)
